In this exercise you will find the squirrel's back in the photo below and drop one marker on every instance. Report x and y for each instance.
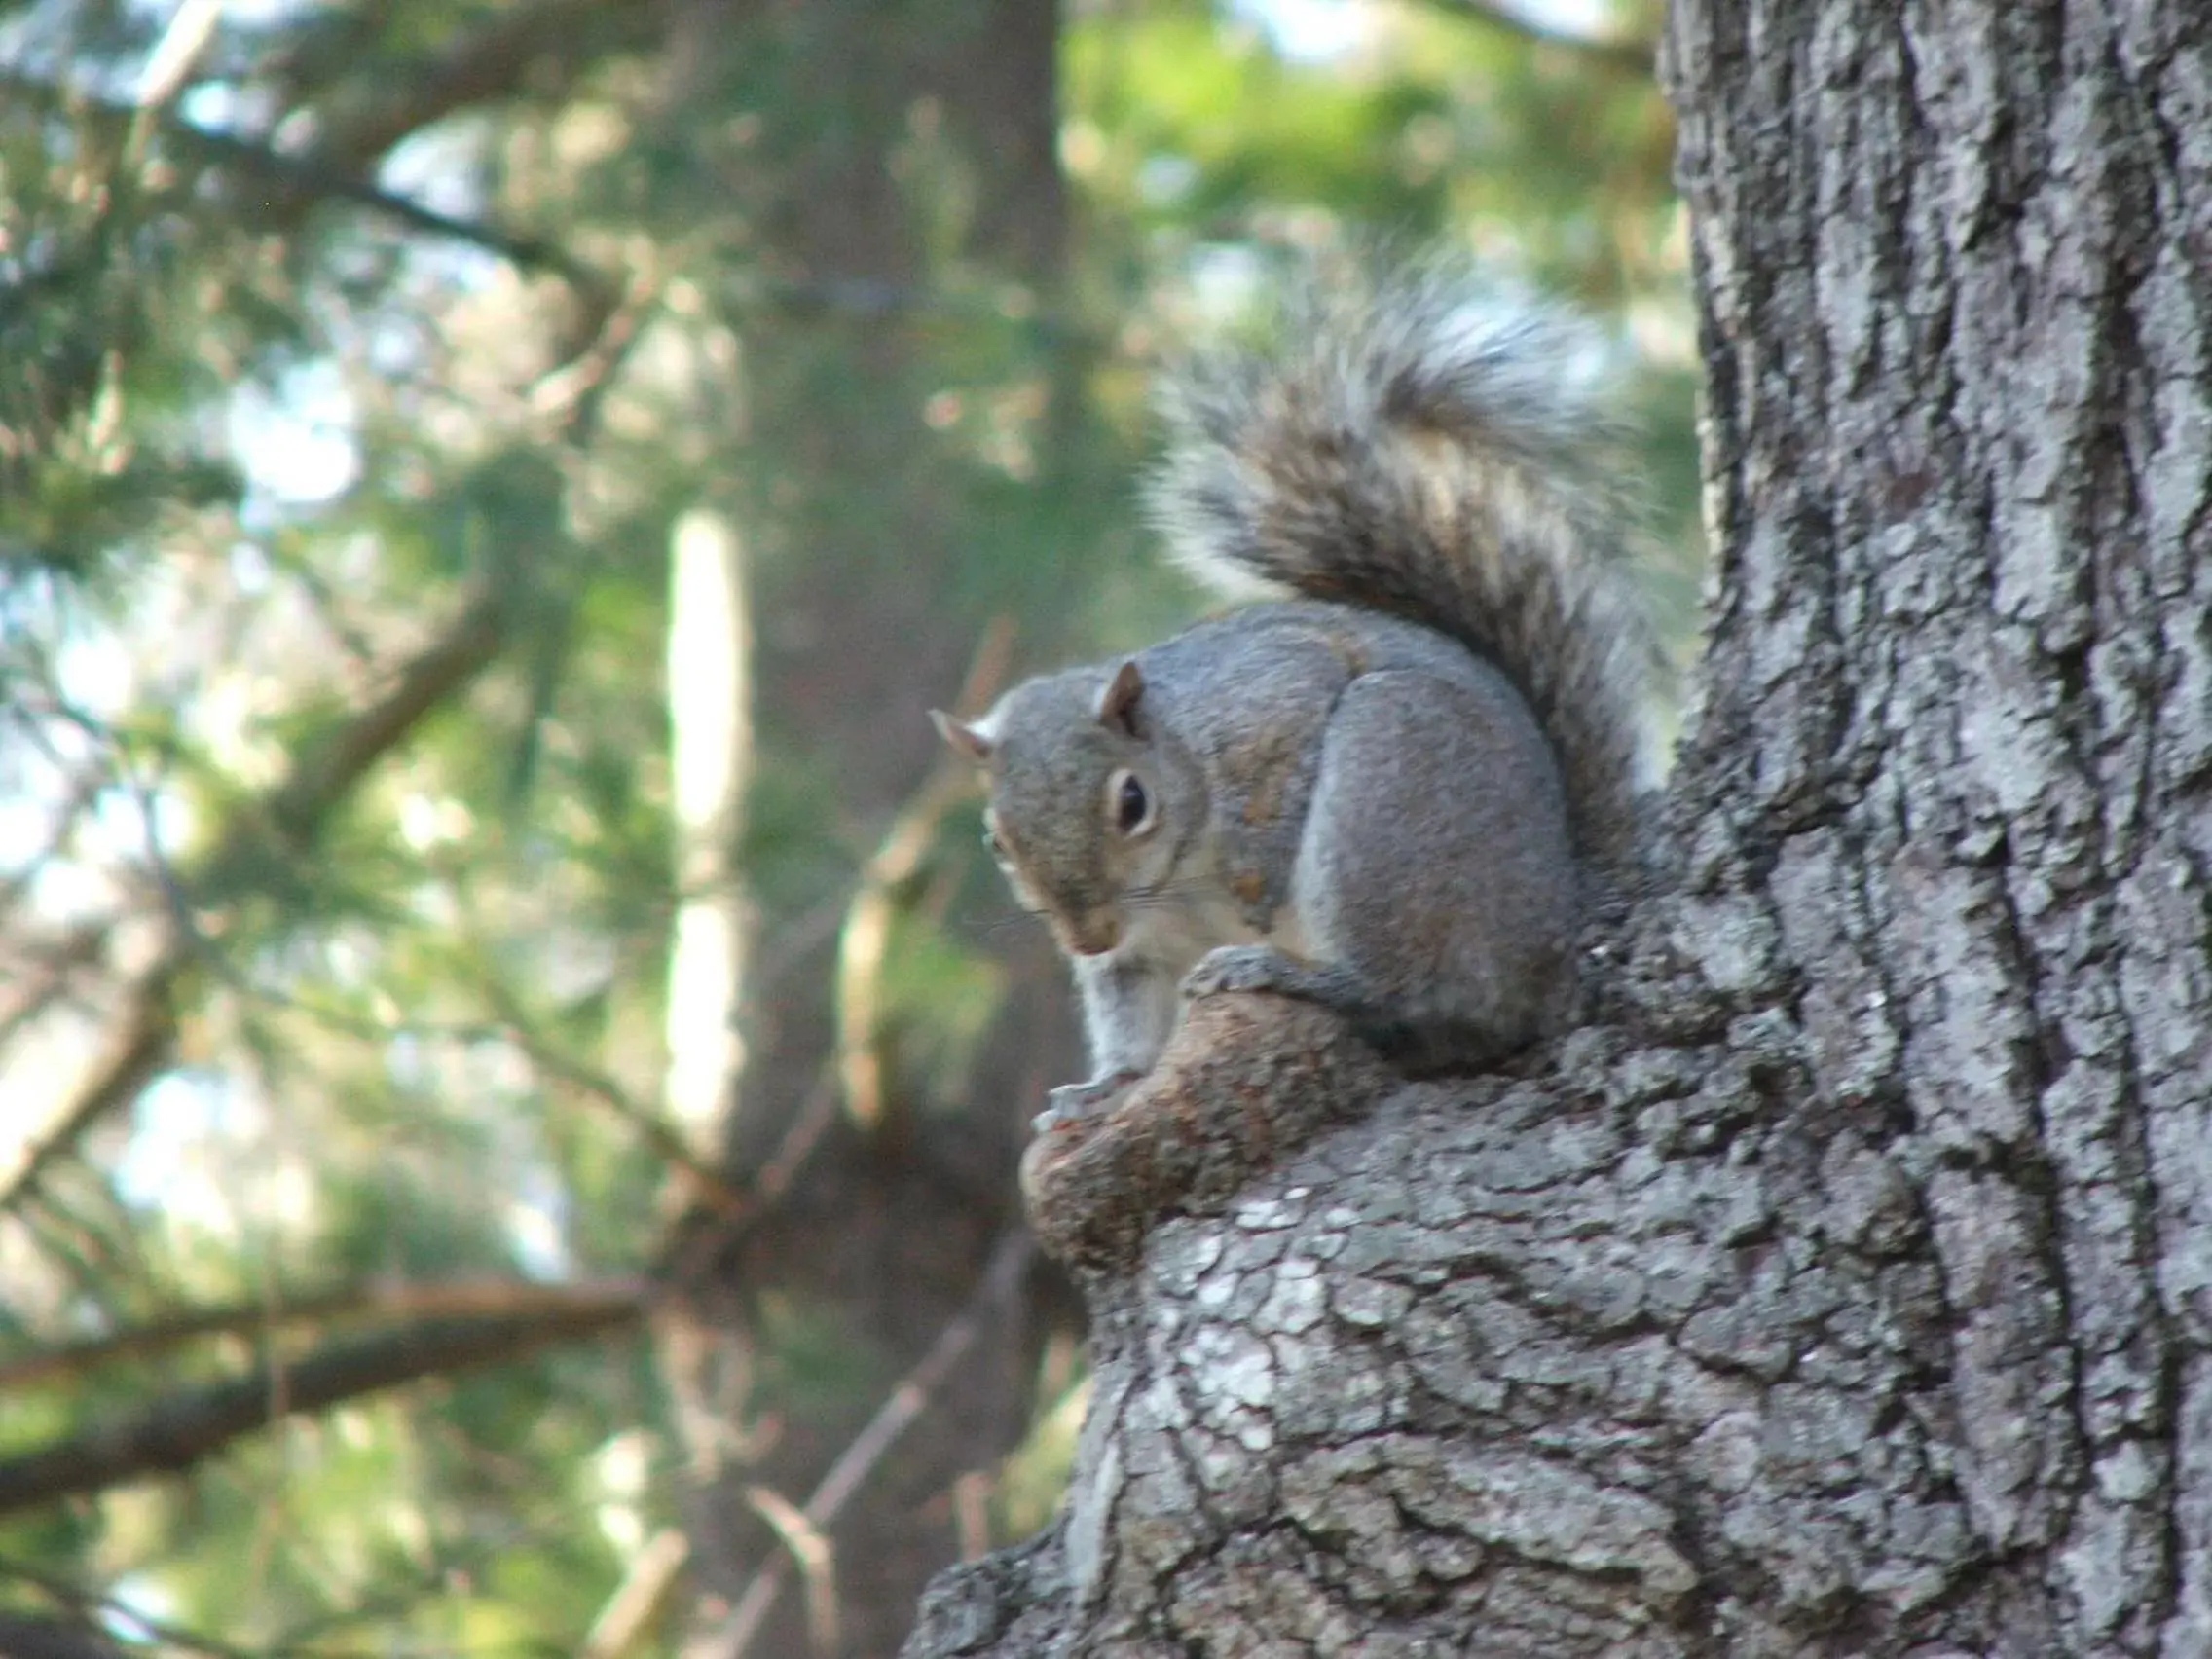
(1400, 448)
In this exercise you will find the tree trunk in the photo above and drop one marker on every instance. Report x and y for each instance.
(1844, 1286)
(838, 130)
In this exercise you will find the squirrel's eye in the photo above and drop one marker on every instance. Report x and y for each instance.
(1132, 806)
(997, 847)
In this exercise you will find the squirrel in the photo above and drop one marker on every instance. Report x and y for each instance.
(1390, 789)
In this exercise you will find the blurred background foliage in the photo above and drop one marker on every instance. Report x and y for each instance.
(372, 1278)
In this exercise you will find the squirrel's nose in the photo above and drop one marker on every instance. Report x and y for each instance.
(1094, 935)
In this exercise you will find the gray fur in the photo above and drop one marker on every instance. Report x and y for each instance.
(1382, 795)
(1401, 447)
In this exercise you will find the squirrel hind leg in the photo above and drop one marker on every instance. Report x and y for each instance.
(1417, 1041)
(1435, 885)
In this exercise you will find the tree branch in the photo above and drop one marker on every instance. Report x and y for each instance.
(296, 808)
(182, 1429)
(23, 1638)
(712, 1187)
(487, 65)
(318, 180)
(482, 66)
(323, 777)
(312, 176)
(464, 1299)
(131, 1050)
(278, 825)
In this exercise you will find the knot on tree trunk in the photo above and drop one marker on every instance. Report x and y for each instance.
(1245, 1081)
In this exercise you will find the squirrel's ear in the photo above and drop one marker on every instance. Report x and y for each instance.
(1118, 702)
(967, 742)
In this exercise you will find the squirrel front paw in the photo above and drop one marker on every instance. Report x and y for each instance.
(1071, 1103)
(1264, 967)
(1245, 967)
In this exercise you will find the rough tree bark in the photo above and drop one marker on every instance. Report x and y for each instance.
(1844, 1285)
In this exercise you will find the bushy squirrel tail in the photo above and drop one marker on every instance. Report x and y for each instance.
(1393, 443)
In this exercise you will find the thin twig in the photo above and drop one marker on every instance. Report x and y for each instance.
(865, 937)
(709, 1185)
(815, 1115)
(1008, 1262)
(817, 1563)
(640, 1598)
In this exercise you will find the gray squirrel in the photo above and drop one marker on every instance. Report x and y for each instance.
(1389, 792)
